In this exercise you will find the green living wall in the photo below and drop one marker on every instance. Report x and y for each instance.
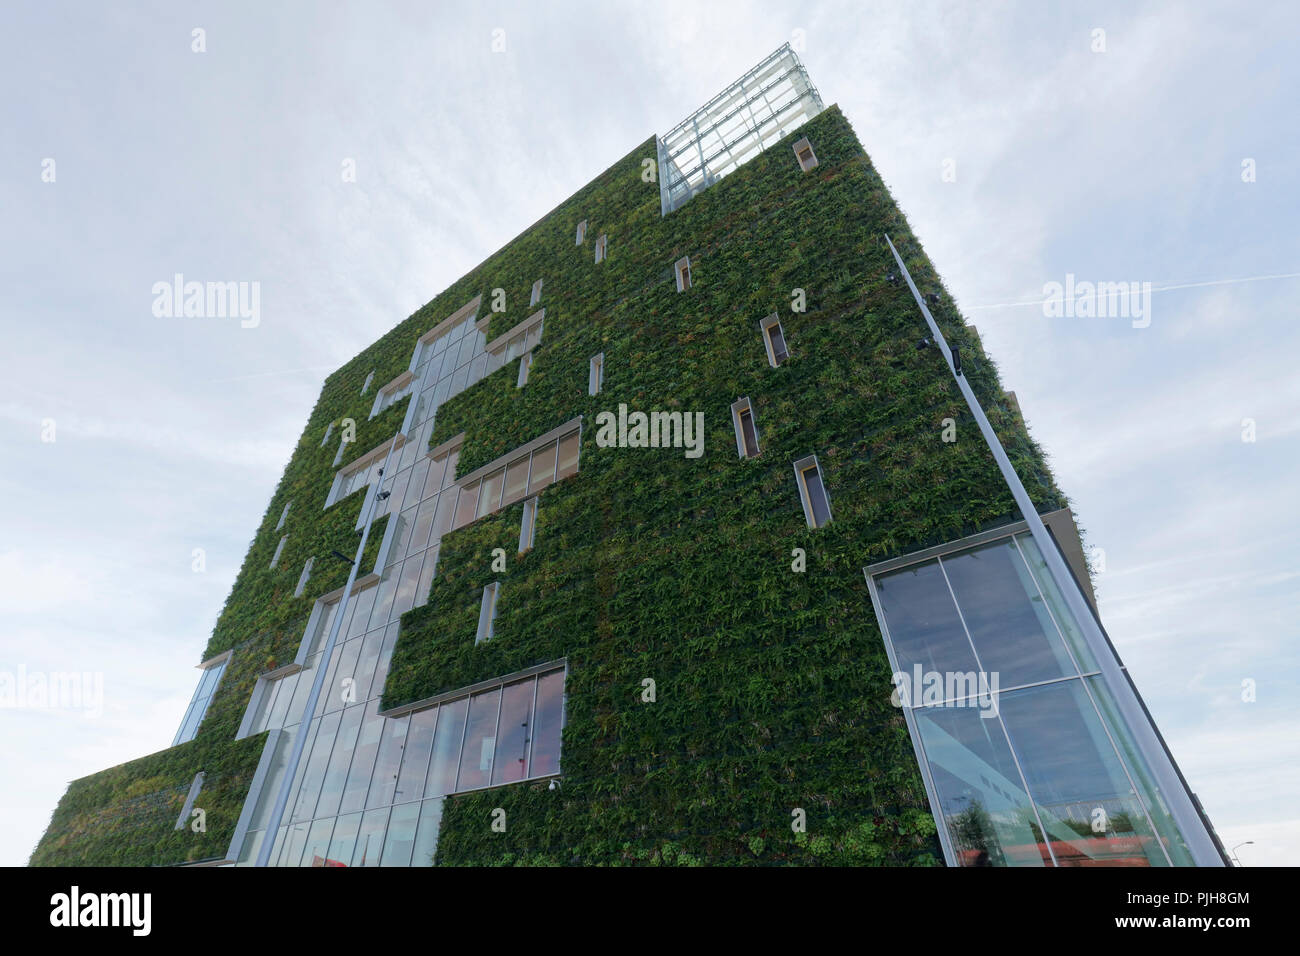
(771, 685)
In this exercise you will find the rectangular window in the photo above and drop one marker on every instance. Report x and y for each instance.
(511, 478)
(487, 613)
(804, 152)
(198, 708)
(275, 558)
(366, 385)
(528, 525)
(525, 364)
(466, 505)
(960, 617)
(283, 515)
(812, 492)
(596, 373)
(682, 270)
(329, 430)
(304, 577)
(537, 294)
(600, 249)
(742, 417)
(338, 455)
(582, 233)
(774, 340)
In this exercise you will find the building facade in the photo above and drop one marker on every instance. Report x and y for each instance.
(675, 542)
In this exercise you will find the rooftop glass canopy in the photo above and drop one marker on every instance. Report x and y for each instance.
(760, 108)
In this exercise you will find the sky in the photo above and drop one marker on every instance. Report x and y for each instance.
(1026, 143)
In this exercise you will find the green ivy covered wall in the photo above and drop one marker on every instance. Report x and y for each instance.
(772, 687)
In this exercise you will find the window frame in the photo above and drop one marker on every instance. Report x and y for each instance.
(811, 163)
(528, 525)
(487, 613)
(602, 247)
(766, 325)
(581, 234)
(801, 466)
(220, 661)
(739, 408)
(596, 373)
(682, 273)
(536, 295)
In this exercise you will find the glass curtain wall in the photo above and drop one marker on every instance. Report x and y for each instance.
(1027, 754)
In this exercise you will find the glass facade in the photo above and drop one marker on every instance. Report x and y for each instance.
(368, 789)
(1028, 760)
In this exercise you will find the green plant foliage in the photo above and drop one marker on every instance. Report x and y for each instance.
(772, 686)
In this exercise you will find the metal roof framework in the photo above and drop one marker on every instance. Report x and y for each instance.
(773, 99)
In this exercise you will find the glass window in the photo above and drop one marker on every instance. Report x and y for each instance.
(1013, 634)
(343, 840)
(924, 626)
(989, 817)
(400, 839)
(777, 350)
(415, 486)
(442, 519)
(336, 773)
(489, 498)
(466, 504)
(405, 599)
(446, 748)
(363, 602)
(516, 485)
(426, 837)
(384, 779)
(423, 525)
(480, 741)
(543, 469)
(545, 743)
(318, 842)
(415, 757)
(528, 525)
(511, 761)
(568, 456)
(817, 505)
(433, 482)
(370, 838)
(209, 679)
(363, 761)
(426, 576)
(309, 788)
(487, 613)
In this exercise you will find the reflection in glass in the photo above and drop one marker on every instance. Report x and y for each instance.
(543, 470)
(568, 460)
(511, 761)
(480, 741)
(924, 626)
(446, 748)
(545, 742)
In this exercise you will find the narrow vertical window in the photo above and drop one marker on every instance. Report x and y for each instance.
(487, 613)
(329, 430)
(600, 249)
(275, 559)
(303, 578)
(528, 526)
(338, 455)
(537, 293)
(283, 515)
(742, 417)
(682, 270)
(596, 373)
(582, 233)
(774, 340)
(803, 151)
(366, 386)
(525, 364)
(812, 492)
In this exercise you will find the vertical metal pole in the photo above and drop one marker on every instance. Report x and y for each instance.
(1179, 800)
(300, 739)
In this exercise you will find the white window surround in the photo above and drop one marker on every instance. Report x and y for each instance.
(275, 559)
(525, 363)
(487, 612)
(536, 294)
(366, 385)
(601, 248)
(739, 408)
(283, 515)
(528, 525)
(304, 577)
(682, 272)
(329, 430)
(582, 233)
(801, 467)
(596, 373)
(803, 152)
(777, 351)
